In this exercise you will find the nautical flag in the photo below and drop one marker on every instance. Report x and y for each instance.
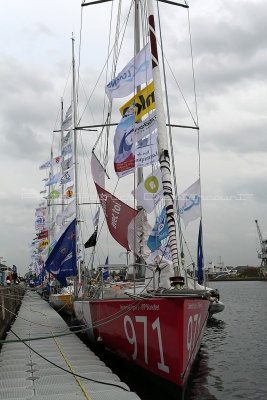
(149, 192)
(106, 271)
(124, 161)
(54, 194)
(189, 203)
(136, 72)
(67, 138)
(200, 255)
(62, 259)
(67, 213)
(69, 192)
(144, 102)
(67, 164)
(68, 119)
(118, 216)
(66, 177)
(54, 179)
(91, 242)
(66, 150)
(45, 165)
(159, 232)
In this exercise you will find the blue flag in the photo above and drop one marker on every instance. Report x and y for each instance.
(106, 272)
(159, 232)
(62, 259)
(200, 256)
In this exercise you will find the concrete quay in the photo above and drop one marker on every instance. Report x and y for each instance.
(42, 359)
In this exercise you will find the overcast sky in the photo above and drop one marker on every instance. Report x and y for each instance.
(230, 58)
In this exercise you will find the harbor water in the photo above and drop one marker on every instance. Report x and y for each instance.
(232, 361)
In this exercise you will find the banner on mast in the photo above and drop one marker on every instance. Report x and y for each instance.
(189, 203)
(144, 102)
(136, 72)
(149, 192)
(118, 215)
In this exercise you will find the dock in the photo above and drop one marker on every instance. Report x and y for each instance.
(43, 359)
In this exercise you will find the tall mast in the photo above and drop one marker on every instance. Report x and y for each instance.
(137, 49)
(74, 103)
(164, 158)
(61, 149)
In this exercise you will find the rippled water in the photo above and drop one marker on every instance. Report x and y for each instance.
(232, 362)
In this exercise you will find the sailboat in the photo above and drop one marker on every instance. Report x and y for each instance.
(157, 325)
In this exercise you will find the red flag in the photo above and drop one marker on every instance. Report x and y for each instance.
(118, 215)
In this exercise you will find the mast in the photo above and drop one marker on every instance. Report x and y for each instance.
(164, 158)
(74, 102)
(61, 149)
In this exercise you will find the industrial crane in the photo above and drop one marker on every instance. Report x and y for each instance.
(263, 254)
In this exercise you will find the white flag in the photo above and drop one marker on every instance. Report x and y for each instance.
(66, 150)
(67, 164)
(68, 212)
(66, 177)
(189, 203)
(68, 119)
(136, 72)
(149, 192)
(146, 127)
(146, 151)
(54, 179)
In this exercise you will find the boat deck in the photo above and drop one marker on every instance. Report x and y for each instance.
(44, 369)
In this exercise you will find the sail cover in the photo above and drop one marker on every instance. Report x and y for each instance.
(118, 216)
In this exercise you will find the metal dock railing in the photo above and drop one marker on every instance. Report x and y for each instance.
(58, 367)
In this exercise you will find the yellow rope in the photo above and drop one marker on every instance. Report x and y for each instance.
(61, 351)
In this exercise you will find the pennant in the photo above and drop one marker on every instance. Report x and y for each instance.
(69, 192)
(118, 215)
(61, 262)
(67, 164)
(67, 138)
(66, 150)
(200, 255)
(159, 232)
(144, 102)
(136, 72)
(43, 191)
(67, 213)
(189, 203)
(42, 235)
(91, 242)
(54, 179)
(149, 192)
(68, 119)
(66, 177)
(47, 164)
(56, 161)
(54, 194)
(98, 171)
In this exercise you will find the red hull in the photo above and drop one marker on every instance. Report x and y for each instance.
(162, 335)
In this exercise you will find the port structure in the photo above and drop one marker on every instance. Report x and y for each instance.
(263, 252)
